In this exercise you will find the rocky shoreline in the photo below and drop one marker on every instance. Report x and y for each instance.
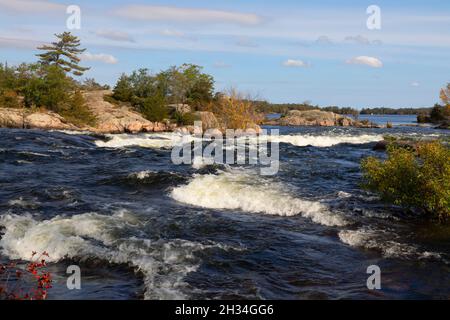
(112, 118)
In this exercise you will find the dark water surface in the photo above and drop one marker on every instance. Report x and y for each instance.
(141, 227)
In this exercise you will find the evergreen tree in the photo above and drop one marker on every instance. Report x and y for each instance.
(63, 53)
(123, 91)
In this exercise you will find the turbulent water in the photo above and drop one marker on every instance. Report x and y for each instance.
(142, 227)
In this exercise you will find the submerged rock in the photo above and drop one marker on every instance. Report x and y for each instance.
(407, 144)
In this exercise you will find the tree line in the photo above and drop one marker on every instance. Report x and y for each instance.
(396, 111)
(151, 93)
(283, 108)
(52, 83)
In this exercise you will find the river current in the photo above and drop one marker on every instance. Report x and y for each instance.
(141, 227)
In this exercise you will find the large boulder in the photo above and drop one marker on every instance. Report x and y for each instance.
(19, 118)
(345, 122)
(208, 119)
(310, 118)
(11, 118)
(118, 118)
(319, 118)
(47, 120)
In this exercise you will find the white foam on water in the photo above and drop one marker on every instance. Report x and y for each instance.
(384, 242)
(170, 139)
(325, 140)
(242, 190)
(24, 203)
(150, 140)
(344, 195)
(201, 162)
(164, 263)
(73, 132)
(141, 175)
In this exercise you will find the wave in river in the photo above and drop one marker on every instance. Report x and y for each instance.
(379, 240)
(325, 140)
(239, 189)
(150, 140)
(169, 140)
(164, 263)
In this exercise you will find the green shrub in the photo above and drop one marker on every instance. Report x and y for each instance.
(423, 118)
(111, 99)
(413, 180)
(438, 114)
(123, 90)
(45, 86)
(9, 99)
(77, 112)
(184, 119)
(154, 108)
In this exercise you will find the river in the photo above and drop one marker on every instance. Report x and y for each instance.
(141, 227)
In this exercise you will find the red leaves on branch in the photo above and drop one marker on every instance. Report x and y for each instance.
(34, 272)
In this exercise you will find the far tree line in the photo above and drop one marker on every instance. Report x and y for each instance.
(53, 83)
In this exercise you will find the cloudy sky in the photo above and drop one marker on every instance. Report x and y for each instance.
(279, 50)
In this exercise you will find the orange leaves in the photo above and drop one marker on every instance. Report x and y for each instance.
(445, 95)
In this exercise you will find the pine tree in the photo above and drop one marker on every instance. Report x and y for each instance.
(63, 53)
(123, 91)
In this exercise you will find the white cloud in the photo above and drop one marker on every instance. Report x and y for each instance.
(415, 84)
(100, 57)
(177, 14)
(31, 6)
(294, 63)
(177, 34)
(359, 39)
(324, 40)
(115, 35)
(365, 60)
(19, 43)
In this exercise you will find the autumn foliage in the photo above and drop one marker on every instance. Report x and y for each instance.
(29, 282)
(413, 179)
(234, 111)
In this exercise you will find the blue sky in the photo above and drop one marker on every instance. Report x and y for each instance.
(283, 51)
